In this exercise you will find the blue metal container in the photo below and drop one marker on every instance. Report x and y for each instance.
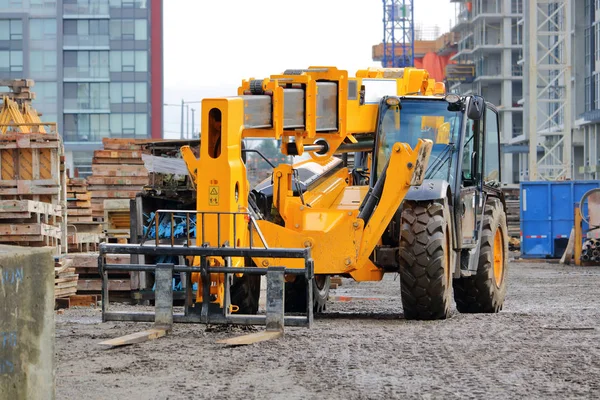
(547, 210)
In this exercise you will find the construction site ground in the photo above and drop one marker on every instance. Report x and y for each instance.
(544, 344)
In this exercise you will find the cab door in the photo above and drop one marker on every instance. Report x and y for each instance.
(470, 193)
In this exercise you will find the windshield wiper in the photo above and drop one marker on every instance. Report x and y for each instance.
(440, 162)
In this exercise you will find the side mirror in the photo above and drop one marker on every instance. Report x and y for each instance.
(476, 107)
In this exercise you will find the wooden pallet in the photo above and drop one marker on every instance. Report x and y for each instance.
(65, 278)
(117, 173)
(89, 282)
(117, 219)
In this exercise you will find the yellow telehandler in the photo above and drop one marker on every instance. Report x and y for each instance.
(397, 176)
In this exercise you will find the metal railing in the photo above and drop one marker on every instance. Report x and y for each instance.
(188, 227)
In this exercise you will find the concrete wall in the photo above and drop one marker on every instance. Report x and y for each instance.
(26, 323)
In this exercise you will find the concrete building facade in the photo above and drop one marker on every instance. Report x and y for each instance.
(490, 38)
(97, 66)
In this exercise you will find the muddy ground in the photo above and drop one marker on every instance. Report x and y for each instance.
(544, 344)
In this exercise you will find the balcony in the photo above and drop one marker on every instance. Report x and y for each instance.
(463, 18)
(92, 10)
(87, 105)
(85, 135)
(82, 42)
(516, 7)
(517, 70)
(86, 74)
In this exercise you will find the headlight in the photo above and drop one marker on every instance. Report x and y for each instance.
(452, 98)
(392, 101)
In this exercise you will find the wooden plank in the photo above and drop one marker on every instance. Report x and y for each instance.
(251, 338)
(570, 249)
(29, 189)
(133, 338)
(122, 194)
(32, 182)
(94, 189)
(78, 219)
(64, 292)
(119, 170)
(117, 285)
(117, 205)
(15, 215)
(123, 180)
(118, 154)
(62, 266)
(77, 182)
(83, 300)
(117, 161)
(90, 260)
(79, 211)
(28, 229)
(79, 204)
(28, 206)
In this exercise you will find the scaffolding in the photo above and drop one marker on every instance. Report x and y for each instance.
(548, 92)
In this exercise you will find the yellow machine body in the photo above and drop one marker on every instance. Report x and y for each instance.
(319, 108)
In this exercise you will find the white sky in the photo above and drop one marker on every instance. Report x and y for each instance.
(210, 46)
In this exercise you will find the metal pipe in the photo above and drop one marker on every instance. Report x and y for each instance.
(185, 268)
(180, 250)
(195, 318)
(372, 199)
(363, 145)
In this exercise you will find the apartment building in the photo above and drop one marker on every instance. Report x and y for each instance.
(97, 66)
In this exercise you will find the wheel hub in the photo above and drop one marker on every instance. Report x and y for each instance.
(498, 257)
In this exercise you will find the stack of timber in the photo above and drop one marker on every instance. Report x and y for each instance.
(19, 90)
(32, 178)
(83, 233)
(65, 278)
(118, 172)
(513, 209)
(120, 283)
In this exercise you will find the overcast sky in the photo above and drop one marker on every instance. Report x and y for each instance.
(210, 46)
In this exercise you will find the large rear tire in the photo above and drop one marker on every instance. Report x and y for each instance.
(295, 294)
(485, 292)
(425, 260)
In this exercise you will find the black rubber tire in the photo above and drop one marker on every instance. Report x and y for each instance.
(480, 293)
(245, 293)
(425, 260)
(295, 294)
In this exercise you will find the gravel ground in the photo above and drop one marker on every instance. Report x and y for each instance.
(544, 344)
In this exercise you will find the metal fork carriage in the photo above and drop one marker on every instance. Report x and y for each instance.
(207, 312)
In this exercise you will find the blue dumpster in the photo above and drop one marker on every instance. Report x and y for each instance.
(547, 210)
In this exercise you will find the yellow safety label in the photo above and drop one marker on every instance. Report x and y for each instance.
(213, 195)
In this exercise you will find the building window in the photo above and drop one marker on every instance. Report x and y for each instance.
(86, 64)
(42, 3)
(45, 95)
(129, 29)
(42, 29)
(128, 92)
(87, 33)
(129, 125)
(85, 127)
(42, 63)
(129, 3)
(128, 61)
(597, 41)
(11, 61)
(85, 7)
(86, 96)
(11, 29)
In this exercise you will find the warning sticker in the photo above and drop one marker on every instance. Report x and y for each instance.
(213, 195)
